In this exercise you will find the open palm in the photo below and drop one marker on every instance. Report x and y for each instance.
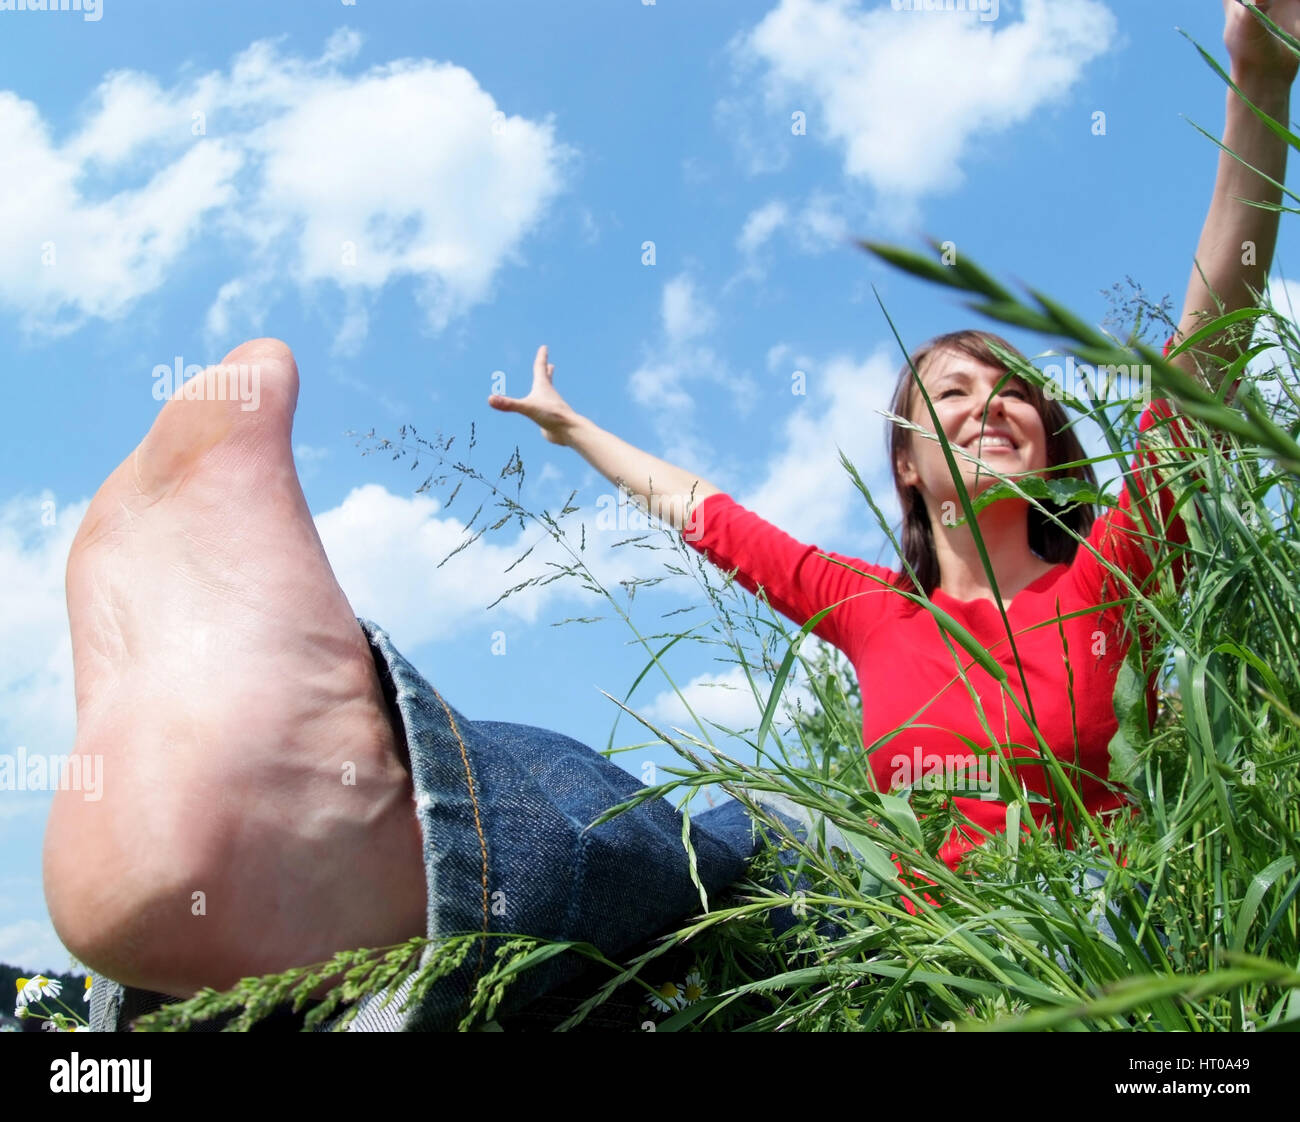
(543, 404)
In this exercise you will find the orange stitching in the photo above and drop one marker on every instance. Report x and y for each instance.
(478, 825)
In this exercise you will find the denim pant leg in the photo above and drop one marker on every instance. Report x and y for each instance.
(1104, 910)
(504, 811)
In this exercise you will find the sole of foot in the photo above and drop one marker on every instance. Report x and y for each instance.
(255, 812)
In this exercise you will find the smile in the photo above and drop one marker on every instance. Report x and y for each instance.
(990, 444)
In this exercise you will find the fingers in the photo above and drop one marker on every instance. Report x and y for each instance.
(542, 368)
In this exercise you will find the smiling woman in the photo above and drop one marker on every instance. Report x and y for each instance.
(1050, 661)
(961, 372)
(1047, 608)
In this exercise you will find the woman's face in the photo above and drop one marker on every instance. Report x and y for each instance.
(1009, 439)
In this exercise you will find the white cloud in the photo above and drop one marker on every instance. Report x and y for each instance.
(685, 313)
(806, 490)
(725, 698)
(76, 255)
(589, 227)
(549, 471)
(778, 354)
(343, 45)
(819, 225)
(761, 224)
(904, 95)
(815, 227)
(696, 171)
(313, 176)
(133, 111)
(37, 701)
(385, 551)
(36, 685)
(763, 147)
(658, 386)
(235, 299)
(31, 944)
(1285, 297)
(308, 458)
(662, 384)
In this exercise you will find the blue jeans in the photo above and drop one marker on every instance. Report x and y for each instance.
(503, 810)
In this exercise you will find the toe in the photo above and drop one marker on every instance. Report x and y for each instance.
(249, 398)
(278, 372)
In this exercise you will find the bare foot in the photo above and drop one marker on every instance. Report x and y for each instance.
(223, 679)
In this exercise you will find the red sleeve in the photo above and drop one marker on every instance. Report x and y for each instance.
(1125, 535)
(798, 581)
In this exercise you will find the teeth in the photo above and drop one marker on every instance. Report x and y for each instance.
(992, 442)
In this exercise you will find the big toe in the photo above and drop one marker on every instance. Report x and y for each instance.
(241, 407)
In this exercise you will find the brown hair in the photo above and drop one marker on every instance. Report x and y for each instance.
(1046, 539)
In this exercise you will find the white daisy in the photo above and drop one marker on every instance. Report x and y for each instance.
(667, 997)
(38, 987)
(694, 988)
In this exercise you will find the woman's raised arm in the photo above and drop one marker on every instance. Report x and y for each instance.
(668, 492)
(1237, 242)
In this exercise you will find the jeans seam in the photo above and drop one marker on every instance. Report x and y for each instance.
(482, 841)
(575, 898)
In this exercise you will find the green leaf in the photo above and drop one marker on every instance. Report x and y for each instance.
(1130, 702)
(1063, 492)
(918, 266)
(873, 856)
(1259, 884)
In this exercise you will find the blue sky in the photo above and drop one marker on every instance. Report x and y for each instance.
(181, 177)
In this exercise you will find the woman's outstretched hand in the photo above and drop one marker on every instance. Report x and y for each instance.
(1255, 51)
(667, 491)
(553, 415)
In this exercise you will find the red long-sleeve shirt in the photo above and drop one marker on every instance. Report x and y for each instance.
(908, 674)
